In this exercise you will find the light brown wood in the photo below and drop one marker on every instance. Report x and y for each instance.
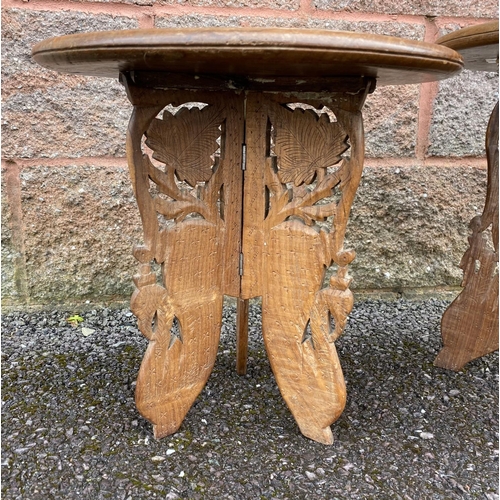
(295, 158)
(289, 101)
(287, 253)
(469, 327)
(241, 336)
(478, 45)
(193, 234)
(250, 52)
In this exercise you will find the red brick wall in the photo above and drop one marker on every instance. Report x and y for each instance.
(69, 219)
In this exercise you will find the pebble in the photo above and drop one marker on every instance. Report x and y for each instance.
(426, 435)
(84, 422)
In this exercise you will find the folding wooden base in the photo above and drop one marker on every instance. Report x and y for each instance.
(244, 194)
(470, 325)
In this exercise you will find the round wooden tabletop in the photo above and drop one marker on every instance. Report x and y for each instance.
(260, 53)
(478, 45)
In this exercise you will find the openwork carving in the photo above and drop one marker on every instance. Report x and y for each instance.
(178, 167)
(304, 163)
(312, 166)
(186, 143)
(470, 325)
(307, 167)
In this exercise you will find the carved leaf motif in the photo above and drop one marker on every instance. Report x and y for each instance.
(305, 143)
(186, 141)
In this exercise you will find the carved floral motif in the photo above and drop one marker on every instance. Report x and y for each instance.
(306, 144)
(308, 180)
(186, 141)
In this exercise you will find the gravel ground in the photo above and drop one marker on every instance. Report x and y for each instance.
(409, 431)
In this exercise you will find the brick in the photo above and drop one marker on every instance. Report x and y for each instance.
(47, 114)
(461, 112)
(65, 121)
(466, 8)
(413, 31)
(409, 225)
(462, 109)
(9, 252)
(21, 29)
(390, 121)
(287, 5)
(81, 223)
(14, 283)
(124, 2)
(251, 4)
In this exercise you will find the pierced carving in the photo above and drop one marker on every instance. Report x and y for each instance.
(186, 142)
(309, 163)
(308, 180)
(469, 326)
(181, 314)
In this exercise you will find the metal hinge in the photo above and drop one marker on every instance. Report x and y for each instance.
(243, 157)
(241, 264)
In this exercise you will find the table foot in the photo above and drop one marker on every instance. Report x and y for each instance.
(297, 178)
(181, 150)
(297, 331)
(469, 326)
(287, 244)
(182, 320)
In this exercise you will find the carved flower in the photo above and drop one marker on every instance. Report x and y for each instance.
(306, 143)
(186, 142)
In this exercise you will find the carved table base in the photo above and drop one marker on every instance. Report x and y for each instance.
(243, 194)
(470, 325)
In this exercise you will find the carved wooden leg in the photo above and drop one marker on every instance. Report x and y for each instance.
(287, 252)
(178, 362)
(188, 193)
(470, 325)
(242, 336)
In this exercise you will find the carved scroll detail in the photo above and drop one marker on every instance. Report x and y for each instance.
(192, 244)
(309, 180)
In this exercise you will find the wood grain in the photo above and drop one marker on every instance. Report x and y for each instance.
(469, 327)
(299, 153)
(293, 99)
(478, 45)
(287, 253)
(250, 52)
(193, 234)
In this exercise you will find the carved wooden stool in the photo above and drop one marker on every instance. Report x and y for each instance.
(470, 325)
(245, 150)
